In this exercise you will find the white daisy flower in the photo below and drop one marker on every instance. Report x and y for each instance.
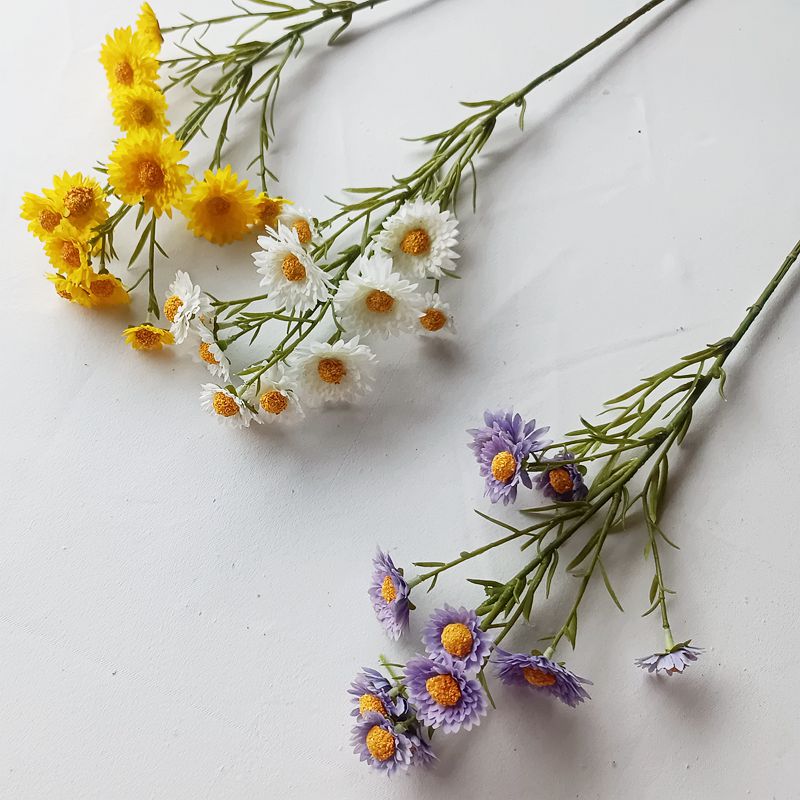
(291, 277)
(209, 352)
(184, 302)
(274, 398)
(225, 405)
(338, 372)
(300, 221)
(419, 238)
(376, 300)
(435, 317)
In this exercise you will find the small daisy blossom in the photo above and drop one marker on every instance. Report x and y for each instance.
(564, 482)
(377, 741)
(291, 277)
(389, 594)
(371, 692)
(274, 398)
(226, 405)
(338, 373)
(377, 300)
(435, 317)
(147, 337)
(299, 220)
(419, 238)
(185, 302)
(542, 674)
(671, 662)
(453, 635)
(210, 353)
(443, 696)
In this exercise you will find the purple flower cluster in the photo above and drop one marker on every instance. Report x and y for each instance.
(540, 674)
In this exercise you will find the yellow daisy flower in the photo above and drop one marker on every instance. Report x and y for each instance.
(73, 292)
(147, 337)
(81, 200)
(148, 30)
(68, 251)
(145, 166)
(127, 60)
(220, 208)
(106, 289)
(140, 107)
(41, 213)
(269, 209)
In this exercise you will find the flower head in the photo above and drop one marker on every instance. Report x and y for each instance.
(147, 337)
(338, 373)
(389, 594)
(672, 661)
(185, 302)
(291, 277)
(68, 290)
(541, 674)
(220, 208)
(299, 220)
(127, 60)
(274, 398)
(41, 213)
(80, 200)
(377, 741)
(209, 353)
(435, 318)
(68, 251)
(269, 210)
(453, 635)
(377, 300)
(141, 107)
(443, 696)
(145, 166)
(562, 482)
(371, 691)
(501, 447)
(105, 289)
(419, 239)
(148, 30)
(226, 405)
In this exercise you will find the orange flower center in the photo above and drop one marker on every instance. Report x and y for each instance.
(123, 72)
(380, 743)
(141, 112)
(268, 210)
(303, 231)
(205, 353)
(71, 254)
(457, 639)
(147, 338)
(79, 200)
(225, 405)
(416, 242)
(560, 480)
(64, 293)
(504, 465)
(433, 320)
(150, 174)
(273, 402)
(172, 306)
(388, 592)
(292, 269)
(538, 677)
(48, 219)
(218, 206)
(368, 702)
(331, 370)
(443, 689)
(102, 287)
(379, 302)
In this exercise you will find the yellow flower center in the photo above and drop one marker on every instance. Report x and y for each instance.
(102, 287)
(123, 72)
(416, 242)
(379, 302)
(150, 174)
(218, 206)
(71, 254)
(388, 592)
(538, 677)
(292, 269)
(380, 743)
(504, 465)
(560, 480)
(205, 353)
(368, 702)
(147, 338)
(224, 404)
(268, 210)
(79, 200)
(457, 639)
(172, 306)
(443, 689)
(48, 219)
(273, 402)
(141, 112)
(433, 320)
(331, 370)
(303, 231)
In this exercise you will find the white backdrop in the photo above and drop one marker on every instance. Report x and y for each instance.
(182, 606)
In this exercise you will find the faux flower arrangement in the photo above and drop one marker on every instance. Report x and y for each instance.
(331, 301)
(605, 470)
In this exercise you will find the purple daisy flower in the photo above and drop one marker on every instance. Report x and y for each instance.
(538, 672)
(443, 696)
(501, 448)
(371, 691)
(674, 661)
(453, 636)
(377, 741)
(564, 482)
(389, 594)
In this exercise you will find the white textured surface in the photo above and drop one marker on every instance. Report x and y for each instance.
(182, 607)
